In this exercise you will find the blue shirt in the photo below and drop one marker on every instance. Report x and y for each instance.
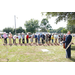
(38, 37)
(22, 36)
(35, 36)
(19, 37)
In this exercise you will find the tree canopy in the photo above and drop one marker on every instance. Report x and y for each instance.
(9, 29)
(45, 26)
(31, 25)
(20, 30)
(66, 16)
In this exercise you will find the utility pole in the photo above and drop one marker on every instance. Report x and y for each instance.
(15, 23)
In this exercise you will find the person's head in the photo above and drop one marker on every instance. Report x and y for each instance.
(27, 33)
(22, 33)
(68, 32)
(43, 33)
(18, 33)
(9, 32)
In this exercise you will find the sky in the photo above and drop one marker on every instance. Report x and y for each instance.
(7, 19)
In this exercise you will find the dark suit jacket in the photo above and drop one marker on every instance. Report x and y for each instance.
(68, 40)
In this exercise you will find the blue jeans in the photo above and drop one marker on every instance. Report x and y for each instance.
(52, 40)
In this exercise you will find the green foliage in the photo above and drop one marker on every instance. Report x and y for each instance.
(9, 29)
(31, 25)
(20, 30)
(71, 28)
(59, 30)
(53, 30)
(64, 30)
(43, 30)
(66, 16)
(45, 26)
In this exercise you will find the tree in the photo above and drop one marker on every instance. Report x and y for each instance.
(64, 30)
(66, 16)
(43, 30)
(31, 25)
(45, 26)
(53, 30)
(20, 30)
(59, 30)
(71, 28)
(9, 29)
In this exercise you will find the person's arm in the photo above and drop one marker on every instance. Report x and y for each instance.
(65, 41)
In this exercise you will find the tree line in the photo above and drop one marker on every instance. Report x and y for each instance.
(33, 25)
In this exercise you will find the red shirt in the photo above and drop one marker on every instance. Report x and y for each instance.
(27, 36)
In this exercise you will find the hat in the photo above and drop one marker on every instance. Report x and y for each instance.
(22, 33)
(9, 32)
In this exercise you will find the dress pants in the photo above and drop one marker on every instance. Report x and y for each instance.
(23, 40)
(68, 53)
(5, 40)
(27, 40)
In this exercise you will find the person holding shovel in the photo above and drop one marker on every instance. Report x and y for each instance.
(5, 37)
(10, 37)
(67, 42)
(19, 37)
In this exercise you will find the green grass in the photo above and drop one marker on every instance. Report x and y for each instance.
(34, 53)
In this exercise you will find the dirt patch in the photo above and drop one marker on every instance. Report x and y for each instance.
(35, 44)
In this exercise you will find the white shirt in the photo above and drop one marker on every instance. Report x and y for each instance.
(55, 36)
(14, 37)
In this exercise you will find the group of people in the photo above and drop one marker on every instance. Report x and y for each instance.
(14, 38)
(39, 38)
(42, 38)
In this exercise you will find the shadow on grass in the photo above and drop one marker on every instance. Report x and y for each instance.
(73, 59)
(72, 47)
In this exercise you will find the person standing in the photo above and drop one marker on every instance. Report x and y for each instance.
(19, 37)
(49, 38)
(43, 37)
(52, 37)
(5, 37)
(35, 38)
(27, 38)
(46, 38)
(14, 39)
(55, 36)
(39, 38)
(31, 39)
(58, 38)
(61, 37)
(67, 42)
(23, 38)
(10, 37)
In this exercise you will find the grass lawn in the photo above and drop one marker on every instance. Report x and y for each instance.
(34, 54)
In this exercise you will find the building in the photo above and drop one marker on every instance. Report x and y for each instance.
(41, 33)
